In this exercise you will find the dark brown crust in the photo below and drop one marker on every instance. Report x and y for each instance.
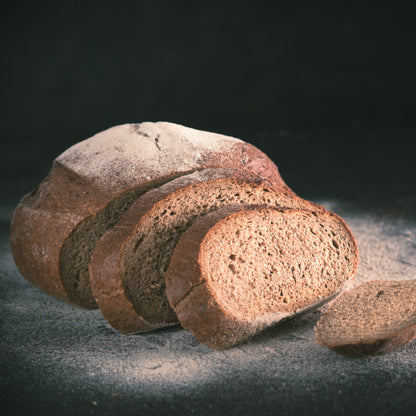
(210, 324)
(189, 293)
(45, 218)
(105, 274)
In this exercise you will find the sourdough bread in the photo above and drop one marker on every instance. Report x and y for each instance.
(55, 228)
(127, 269)
(241, 269)
(372, 319)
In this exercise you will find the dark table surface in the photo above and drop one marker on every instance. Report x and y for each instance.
(57, 359)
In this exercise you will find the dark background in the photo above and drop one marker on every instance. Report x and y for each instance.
(74, 68)
(327, 90)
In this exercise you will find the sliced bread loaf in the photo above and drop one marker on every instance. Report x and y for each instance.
(372, 319)
(127, 269)
(239, 269)
(55, 228)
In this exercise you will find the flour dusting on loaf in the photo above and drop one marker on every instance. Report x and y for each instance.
(134, 150)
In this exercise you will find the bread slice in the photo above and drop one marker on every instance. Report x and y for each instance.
(55, 228)
(128, 266)
(241, 269)
(372, 319)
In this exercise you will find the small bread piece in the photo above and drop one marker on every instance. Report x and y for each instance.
(372, 319)
(240, 269)
(127, 269)
(55, 228)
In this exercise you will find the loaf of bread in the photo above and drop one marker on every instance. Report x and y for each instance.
(372, 319)
(157, 224)
(239, 269)
(128, 266)
(55, 228)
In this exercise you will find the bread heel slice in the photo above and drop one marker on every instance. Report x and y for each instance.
(372, 319)
(241, 269)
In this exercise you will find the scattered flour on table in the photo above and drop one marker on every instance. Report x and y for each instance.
(387, 246)
(63, 343)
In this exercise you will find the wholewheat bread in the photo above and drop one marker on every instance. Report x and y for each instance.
(372, 319)
(127, 269)
(55, 228)
(240, 269)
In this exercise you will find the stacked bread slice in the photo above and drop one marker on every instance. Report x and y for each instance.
(158, 224)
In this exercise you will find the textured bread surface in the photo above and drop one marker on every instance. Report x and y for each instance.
(372, 319)
(127, 270)
(240, 269)
(55, 228)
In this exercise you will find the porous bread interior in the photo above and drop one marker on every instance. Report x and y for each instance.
(265, 264)
(147, 253)
(76, 252)
(373, 311)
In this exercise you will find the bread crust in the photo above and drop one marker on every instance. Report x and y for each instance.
(106, 262)
(189, 291)
(85, 179)
(379, 347)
